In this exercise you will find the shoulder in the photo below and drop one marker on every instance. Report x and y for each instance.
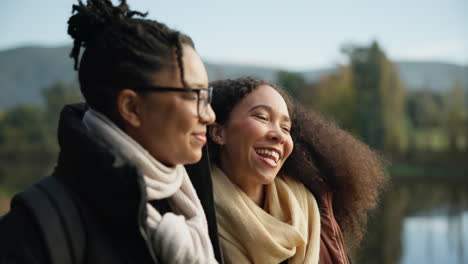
(292, 183)
(298, 189)
(20, 241)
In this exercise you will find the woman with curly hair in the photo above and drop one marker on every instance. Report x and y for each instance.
(289, 186)
(122, 154)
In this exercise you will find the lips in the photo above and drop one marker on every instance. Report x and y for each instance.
(270, 156)
(200, 137)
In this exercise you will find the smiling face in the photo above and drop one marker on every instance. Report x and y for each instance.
(167, 123)
(256, 140)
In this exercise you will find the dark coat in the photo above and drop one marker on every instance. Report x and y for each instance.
(111, 202)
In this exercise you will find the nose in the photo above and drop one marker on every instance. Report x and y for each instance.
(209, 117)
(276, 135)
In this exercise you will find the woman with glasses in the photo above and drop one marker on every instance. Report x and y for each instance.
(289, 186)
(122, 154)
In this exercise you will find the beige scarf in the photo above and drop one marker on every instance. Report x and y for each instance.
(179, 237)
(288, 227)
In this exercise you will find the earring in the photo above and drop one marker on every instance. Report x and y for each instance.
(218, 140)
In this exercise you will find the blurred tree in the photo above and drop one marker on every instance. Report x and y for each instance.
(293, 82)
(334, 96)
(380, 98)
(366, 97)
(23, 144)
(424, 109)
(28, 145)
(22, 130)
(55, 97)
(425, 114)
(393, 94)
(455, 117)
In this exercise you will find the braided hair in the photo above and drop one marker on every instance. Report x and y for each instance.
(121, 50)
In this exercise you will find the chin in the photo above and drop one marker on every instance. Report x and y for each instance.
(266, 178)
(194, 157)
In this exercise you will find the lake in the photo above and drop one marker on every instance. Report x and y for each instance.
(419, 222)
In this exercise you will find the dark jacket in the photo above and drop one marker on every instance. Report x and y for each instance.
(111, 202)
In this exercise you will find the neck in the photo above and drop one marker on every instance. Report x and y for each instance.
(159, 156)
(255, 191)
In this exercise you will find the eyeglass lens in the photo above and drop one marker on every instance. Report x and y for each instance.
(204, 99)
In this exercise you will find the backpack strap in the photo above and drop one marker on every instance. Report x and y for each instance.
(58, 219)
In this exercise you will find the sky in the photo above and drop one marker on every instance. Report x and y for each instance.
(289, 34)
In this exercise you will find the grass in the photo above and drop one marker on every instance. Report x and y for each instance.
(434, 139)
(430, 172)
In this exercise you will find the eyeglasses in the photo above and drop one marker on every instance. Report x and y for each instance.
(204, 95)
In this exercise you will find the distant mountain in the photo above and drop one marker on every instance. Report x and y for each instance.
(436, 76)
(217, 71)
(25, 71)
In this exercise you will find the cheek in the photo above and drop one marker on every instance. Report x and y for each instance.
(288, 147)
(251, 129)
(188, 124)
(239, 136)
(187, 120)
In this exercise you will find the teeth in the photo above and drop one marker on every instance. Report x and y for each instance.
(269, 152)
(271, 161)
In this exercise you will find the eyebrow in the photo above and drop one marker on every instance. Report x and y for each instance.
(270, 109)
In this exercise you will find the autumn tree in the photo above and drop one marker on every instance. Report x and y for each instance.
(334, 95)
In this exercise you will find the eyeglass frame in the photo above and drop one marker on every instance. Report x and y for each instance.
(207, 101)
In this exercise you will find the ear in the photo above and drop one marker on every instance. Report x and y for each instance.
(217, 133)
(128, 104)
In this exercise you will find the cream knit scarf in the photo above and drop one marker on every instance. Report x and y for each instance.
(288, 227)
(179, 237)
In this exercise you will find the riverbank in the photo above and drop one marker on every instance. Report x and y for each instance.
(447, 173)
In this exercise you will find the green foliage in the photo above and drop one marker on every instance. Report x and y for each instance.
(293, 82)
(429, 139)
(22, 129)
(27, 137)
(380, 115)
(55, 97)
(424, 109)
(334, 95)
(455, 116)
(365, 97)
(440, 121)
